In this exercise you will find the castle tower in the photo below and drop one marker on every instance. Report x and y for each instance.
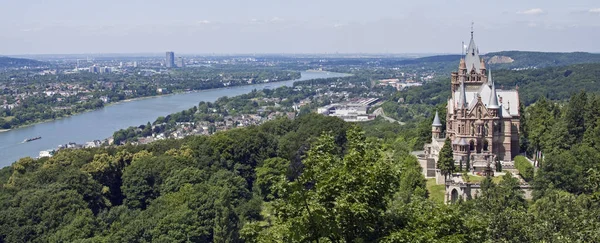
(471, 69)
(493, 104)
(436, 127)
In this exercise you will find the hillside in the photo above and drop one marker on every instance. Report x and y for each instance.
(554, 83)
(10, 62)
(528, 59)
(507, 60)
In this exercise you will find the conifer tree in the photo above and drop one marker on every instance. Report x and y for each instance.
(446, 159)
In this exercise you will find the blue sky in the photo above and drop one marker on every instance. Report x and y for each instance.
(294, 26)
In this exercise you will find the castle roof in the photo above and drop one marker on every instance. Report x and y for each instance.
(460, 141)
(493, 103)
(436, 120)
(472, 59)
(507, 99)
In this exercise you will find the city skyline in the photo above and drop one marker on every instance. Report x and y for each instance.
(296, 27)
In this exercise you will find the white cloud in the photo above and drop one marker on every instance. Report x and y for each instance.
(533, 11)
(595, 10)
(204, 21)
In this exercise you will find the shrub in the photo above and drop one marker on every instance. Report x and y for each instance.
(524, 167)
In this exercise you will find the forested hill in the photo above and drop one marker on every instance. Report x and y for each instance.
(528, 59)
(10, 62)
(554, 83)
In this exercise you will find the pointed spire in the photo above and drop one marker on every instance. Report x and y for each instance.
(462, 99)
(489, 78)
(436, 120)
(472, 56)
(493, 104)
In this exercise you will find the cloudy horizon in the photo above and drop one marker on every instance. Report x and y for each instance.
(294, 27)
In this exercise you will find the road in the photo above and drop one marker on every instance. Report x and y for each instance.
(379, 112)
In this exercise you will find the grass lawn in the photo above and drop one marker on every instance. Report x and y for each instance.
(476, 179)
(436, 192)
(479, 179)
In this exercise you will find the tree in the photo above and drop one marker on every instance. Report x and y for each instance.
(337, 198)
(575, 117)
(269, 174)
(523, 129)
(446, 159)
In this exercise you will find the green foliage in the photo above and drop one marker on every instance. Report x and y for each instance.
(339, 198)
(446, 159)
(314, 178)
(524, 167)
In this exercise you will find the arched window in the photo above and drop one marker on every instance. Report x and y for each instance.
(472, 145)
(485, 145)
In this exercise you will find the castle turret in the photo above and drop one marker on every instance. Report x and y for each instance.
(493, 104)
(436, 127)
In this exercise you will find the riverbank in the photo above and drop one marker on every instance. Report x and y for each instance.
(103, 123)
(133, 99)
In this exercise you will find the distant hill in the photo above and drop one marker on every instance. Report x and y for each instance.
(528, 59)
(554, 83)
(510, 60)
(432, 59)
(10, 62)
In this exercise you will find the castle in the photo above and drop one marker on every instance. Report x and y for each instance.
(482, 121)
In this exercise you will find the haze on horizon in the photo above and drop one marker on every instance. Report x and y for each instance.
(295, 26)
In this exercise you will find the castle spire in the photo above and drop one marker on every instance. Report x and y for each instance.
(436, 120)
(493, 104)
(472, 56)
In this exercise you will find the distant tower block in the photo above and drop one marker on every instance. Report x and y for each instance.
(180, 62)
(170, 59)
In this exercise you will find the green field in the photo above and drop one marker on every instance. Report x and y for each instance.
(436, 192)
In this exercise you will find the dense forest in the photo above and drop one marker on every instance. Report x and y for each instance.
(10, 62)
(312, 179)
(319, 179)
(530, 59)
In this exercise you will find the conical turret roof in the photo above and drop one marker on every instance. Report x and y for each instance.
(472, 59)
(436, 120)
(493, 104)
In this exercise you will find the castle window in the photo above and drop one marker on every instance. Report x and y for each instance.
(472, 145)
(485, 145)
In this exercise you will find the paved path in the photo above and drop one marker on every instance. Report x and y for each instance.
(379, 112)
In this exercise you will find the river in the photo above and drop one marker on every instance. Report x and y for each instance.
(102, 123)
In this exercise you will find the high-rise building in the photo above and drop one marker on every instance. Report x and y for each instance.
(170, 62)
(180, 62)
(94, 69)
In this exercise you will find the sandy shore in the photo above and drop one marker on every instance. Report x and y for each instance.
(4, 130)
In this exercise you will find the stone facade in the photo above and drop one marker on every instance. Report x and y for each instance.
(481, 121)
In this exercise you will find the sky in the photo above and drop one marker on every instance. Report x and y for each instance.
(295, 26)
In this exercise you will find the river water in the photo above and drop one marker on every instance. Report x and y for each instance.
(102, 123)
